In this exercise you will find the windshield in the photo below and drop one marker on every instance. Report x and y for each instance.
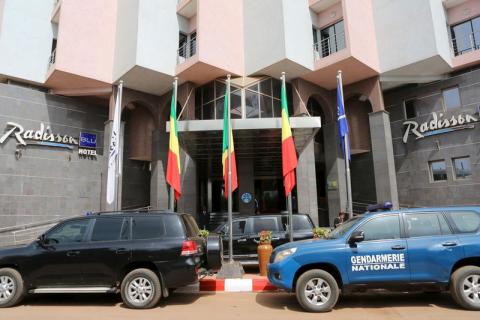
(339, 231)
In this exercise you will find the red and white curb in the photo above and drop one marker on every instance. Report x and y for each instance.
(229, 285)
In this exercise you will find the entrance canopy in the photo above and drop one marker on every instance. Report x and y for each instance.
(257, 139)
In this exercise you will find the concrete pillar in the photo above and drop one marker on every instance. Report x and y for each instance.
(246, 184)
(383, 160)
(335, 172)
(306, 183)
(158, 183)
(188, 201)
(104, 206)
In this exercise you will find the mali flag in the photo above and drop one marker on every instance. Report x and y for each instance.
(173, 164)
(228, 138)
(289, 155)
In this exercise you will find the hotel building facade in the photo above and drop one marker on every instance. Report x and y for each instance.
(411, 88)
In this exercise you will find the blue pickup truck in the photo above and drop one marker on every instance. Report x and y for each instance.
(429, 249)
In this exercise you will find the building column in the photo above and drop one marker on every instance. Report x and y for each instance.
(335, 172)
(158, 183)
(246, 184)
(104, 206)
(307, 183)
(383, 160)
(188, 201)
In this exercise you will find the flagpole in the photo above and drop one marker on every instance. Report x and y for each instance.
(172, 190)
(349, 208)
(289, 197)
(118, 163)
(229, 159)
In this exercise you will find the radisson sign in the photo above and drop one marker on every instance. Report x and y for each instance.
(438, 125)
(45, 137)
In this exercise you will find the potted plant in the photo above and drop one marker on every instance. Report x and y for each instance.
(264, 251)
(320, 233)
(204, 233)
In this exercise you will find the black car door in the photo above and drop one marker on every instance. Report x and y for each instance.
(108, 251)
(239, 237)
(56, 260)
(266, 223)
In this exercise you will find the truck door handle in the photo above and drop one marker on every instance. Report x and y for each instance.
(242, 240)
(398, 247)
(72, 253)
(256, 241)
(121, 251)
(275, 238)
(449, 244)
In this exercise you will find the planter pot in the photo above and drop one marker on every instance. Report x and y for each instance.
(264, 252)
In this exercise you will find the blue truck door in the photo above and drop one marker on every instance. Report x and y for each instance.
(382, 256)
(432, 247)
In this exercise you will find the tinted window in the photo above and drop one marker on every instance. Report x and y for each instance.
(68, 232)
(107, 229)
(451, 98)
(267, 223)
(438, 170)
(156, 227)
(465, 221)
(462, 167)
(426, 224)
(386, 227)
(238, 227)
(300, 222)
(410, 111)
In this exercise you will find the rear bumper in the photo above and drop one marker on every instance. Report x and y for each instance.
(180, 273)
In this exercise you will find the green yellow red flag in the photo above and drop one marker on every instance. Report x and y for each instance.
(228, 138)
(289, 154)
(173, 162)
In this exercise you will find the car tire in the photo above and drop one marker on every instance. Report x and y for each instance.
(141, 289)
(12, 288)
(317, 291)
(465, 287)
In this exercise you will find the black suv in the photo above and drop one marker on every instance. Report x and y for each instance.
(141, 254)
(246, 229)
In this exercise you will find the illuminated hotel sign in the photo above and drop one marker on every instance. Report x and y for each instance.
(438, 125)
(45, 137)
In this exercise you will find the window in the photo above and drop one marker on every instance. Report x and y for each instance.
(107, 229)
(190, 224)
(462, 167)
(382, 228)
(209, 101)
(410, 111)
(465, 221)
(332, 40)
(466, 36)
(300, 222)
(267, 223)
(426, 224)
(451, 98)
(238, 227)
(438, 170)
(68, 232)
(157, 227)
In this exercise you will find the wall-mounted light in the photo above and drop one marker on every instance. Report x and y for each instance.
(333, 14)
(362, 98)
(18, 153)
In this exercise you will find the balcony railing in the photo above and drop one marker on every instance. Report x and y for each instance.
(466, 43)
(328, 46)
(187, 50)
(51, 60)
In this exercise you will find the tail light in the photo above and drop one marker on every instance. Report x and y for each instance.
(189, 247)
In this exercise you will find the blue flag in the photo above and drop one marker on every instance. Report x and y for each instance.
(342, 123)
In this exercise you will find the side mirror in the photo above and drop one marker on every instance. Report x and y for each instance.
(41, 240)
(357, 236)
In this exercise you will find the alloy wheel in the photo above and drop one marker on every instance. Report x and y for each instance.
(140, 290)
(317, 291)
(7, 288)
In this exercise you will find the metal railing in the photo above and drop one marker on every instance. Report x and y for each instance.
(466, 43)
(51, 59)
(187, 50)
(328, 46)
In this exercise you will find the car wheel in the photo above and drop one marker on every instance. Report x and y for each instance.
(11, 287)
(317, 291)
(465, 287)
(141, 289)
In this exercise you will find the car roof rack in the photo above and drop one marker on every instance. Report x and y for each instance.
(127, 211)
